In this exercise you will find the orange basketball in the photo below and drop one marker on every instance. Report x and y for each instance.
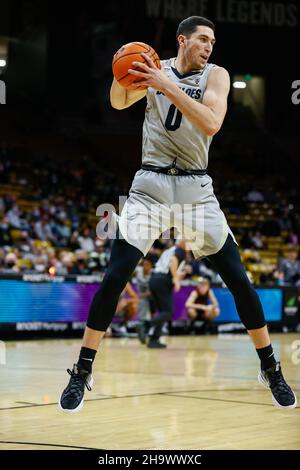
(122, 61)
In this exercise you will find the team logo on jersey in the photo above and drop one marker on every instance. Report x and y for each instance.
(194, 93)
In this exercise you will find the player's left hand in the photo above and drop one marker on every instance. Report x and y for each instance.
(153, 77)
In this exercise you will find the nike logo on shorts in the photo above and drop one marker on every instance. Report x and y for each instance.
(202, 185)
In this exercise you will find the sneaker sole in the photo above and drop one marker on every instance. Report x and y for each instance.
(79, 407)
(263, 382)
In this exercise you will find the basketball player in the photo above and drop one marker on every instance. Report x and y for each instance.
(186, 105)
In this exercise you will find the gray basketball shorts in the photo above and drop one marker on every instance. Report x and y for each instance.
(158, 202)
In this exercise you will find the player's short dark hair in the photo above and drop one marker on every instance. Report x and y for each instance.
(189, 25)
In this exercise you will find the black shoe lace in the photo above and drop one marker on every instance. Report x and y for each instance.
(76, 381)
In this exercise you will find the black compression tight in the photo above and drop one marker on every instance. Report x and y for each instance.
(123, 260)
(228, 264)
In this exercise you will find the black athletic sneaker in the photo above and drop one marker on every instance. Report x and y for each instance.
(155, 344)
(282, 394)
(71, 400)
(142, 333)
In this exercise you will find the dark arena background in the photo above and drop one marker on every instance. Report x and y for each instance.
(64, 151)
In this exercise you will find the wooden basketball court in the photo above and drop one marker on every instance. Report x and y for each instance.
(199, 393)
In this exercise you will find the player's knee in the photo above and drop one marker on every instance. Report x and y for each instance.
(191, 313)
(113, 281)
(240, 286)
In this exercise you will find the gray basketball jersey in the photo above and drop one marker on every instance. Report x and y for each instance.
(166, 132)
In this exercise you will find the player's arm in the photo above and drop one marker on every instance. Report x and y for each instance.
(190, 303)
(191, 299)
(173, 265)
(181, 271)
(208, 115)
(214, 301)
(121, 98)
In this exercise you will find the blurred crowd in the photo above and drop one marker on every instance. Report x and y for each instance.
(47, 219)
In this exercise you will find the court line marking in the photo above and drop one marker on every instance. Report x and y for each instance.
(49, 445)
(223, 400)
(34, 405)
(26, 403)
(99, 399)
(166, 393)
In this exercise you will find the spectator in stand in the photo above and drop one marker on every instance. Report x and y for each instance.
(85, 241)
(288, 270)
(100, 256)
(40, 265)
(252, 240)
(24, 242)
(14, 217)
(10, 264)
(257, 240)
(43, 229)
(62, 231)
